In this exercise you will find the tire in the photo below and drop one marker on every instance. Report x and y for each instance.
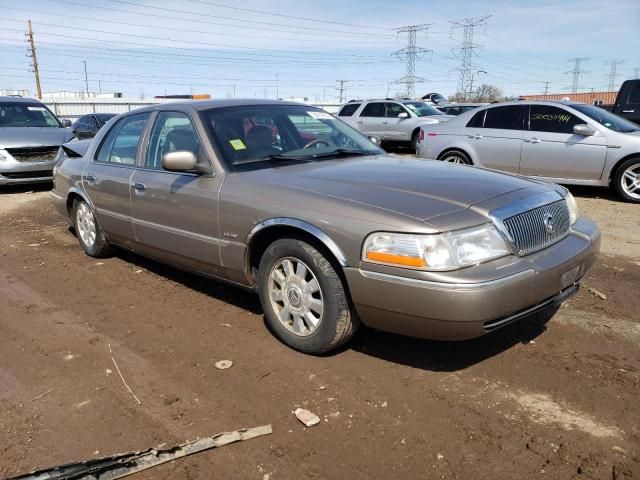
(315, 322)
(90, 235)
(627, 175)
(414, 141)
(456, 156)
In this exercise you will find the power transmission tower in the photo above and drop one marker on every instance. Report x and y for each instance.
(636, 73)
(86, 79)
(613, 72)
(467, 49)
(546, 88)
(34, 59)
(342, 89)
(409, 54)
(576, 72)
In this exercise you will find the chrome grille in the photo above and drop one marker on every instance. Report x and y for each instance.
(539, 227)
(33, 154)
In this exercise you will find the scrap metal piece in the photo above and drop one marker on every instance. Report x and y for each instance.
(123, 464)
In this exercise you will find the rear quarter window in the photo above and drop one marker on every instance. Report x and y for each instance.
(349, 110)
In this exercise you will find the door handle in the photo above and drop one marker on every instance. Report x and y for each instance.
(360, 122)
(532, 140)
(139, 186)
(628, 111)
(90, 178)
(476, 137)
(385, 123)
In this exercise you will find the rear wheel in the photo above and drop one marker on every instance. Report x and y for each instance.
(626, 180)
(89, 233)
(303, 297)
(456, 156)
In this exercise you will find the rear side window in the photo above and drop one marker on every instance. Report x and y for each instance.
(373, 110)
(349, 110)
(121, 143)
(634, 94)
(505, 118)
(545, 118)
(477, 120)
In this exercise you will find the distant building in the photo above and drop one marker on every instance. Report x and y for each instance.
(80, 95)
(8, 92)
(593, 98)
(194, 96)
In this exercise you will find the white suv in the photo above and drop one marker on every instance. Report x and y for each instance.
(394, 121)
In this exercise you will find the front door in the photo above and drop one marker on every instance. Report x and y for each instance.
(551, 149)
(495, 136)
(106, 178)
(175, 214)
(396, 128)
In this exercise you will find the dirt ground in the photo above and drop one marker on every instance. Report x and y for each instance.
(560, 402)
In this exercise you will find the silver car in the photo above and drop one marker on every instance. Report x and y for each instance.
(30, 136)
(393, 121)
(562, 142)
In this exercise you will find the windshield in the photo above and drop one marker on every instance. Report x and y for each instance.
(607, 119)
(265, 136)
(19, 114)
(421, 109)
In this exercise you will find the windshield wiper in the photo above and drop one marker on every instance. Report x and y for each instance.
(342, 152)
(276, 156)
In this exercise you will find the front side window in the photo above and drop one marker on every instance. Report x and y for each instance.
(19, 114)
(392, 110)
(172, 132)
(349, 110)
(120, 145)
(606, 118)
(546, 118)
(505, 118)
(267, 136)
(634, 94)
(422, 109)
(373, 110)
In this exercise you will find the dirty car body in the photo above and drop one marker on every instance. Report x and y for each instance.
(30, 136)
(289, 201)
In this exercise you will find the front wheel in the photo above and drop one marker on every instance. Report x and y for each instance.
(89, 233)
(626, 181)
(456, 156)
(303, 298)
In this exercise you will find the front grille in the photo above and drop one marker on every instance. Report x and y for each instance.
(33, 154)
(538, 228)
(19, 175)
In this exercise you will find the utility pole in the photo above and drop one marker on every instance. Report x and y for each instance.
(86, 79)
(613, 73)
(467, 49)
(342, 89)
(576, 72)
(34, 59)
(636, 73)
(409, 54)
(546, 88)
(471, 86)
(277, 87)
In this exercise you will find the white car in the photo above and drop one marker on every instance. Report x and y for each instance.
(561, 142)
(393, 121)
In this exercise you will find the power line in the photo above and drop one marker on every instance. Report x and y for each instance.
(576, 72)
(467, 49)
(34, 58)
(409, 54)
(613, 72)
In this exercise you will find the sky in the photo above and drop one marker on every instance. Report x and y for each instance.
(301, 48)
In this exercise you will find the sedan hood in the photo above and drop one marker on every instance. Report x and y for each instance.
(17, 137)
(421, 189)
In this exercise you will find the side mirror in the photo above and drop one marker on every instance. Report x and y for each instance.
(403, 115)
(584, 130)
(375, 139)
(180, 161)
(66, 123)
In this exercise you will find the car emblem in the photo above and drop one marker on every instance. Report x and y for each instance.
(547, 220)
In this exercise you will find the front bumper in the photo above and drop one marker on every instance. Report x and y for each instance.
(14, 173)
(461, 308)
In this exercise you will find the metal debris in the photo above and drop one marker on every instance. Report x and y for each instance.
(124, 464)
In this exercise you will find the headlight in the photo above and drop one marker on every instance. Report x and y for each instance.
(573, 208)
(445, 251)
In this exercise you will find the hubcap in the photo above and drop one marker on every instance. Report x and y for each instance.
(454, 159)
(86, 224)
(296, 296)
(631, 181)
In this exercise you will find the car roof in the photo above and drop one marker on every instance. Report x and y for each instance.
(18, 99)
(209, 104)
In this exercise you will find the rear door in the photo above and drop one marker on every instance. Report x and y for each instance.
(371, 119)
(551, 149)
(107, 176)
(175, 214)
(495, 136)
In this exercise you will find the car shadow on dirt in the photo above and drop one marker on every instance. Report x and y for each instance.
(594, 192)
(449, 356)
(25, 188)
